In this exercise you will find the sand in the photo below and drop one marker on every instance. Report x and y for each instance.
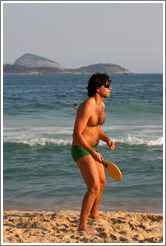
(62, 227)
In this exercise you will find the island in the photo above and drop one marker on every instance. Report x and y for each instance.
(33, 64)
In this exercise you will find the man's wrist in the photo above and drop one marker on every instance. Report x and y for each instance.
(108, 140)
(92, 152)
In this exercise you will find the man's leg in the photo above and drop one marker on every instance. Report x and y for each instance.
(94, 210)
(91, 177)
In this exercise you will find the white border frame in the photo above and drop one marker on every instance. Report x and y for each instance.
(26, 2)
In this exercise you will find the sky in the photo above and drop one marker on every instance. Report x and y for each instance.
(77, 34)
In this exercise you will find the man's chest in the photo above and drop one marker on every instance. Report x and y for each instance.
(97, 117)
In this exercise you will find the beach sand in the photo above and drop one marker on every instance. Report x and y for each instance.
(62, 227)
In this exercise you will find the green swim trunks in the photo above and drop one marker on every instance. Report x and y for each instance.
(78, 152)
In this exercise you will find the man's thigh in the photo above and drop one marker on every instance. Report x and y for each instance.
(101, 172)
(89, 170)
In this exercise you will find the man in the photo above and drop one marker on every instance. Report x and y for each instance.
(86, 135)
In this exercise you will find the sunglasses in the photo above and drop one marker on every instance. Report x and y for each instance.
(108, 85)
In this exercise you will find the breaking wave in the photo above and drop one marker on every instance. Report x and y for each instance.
(63, 142)
(140, 141)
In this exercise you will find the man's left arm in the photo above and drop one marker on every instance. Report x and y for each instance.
(106, 139)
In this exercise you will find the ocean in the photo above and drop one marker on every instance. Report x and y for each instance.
(38, 170)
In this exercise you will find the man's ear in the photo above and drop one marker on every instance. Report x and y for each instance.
(97, 89)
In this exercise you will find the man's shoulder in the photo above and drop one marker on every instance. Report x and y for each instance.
(103, 105)
(88, 101)
(87, 104)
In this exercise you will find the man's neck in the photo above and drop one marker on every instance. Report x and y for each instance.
(98, 99)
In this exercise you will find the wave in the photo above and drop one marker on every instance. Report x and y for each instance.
(140, 141)
(63, 142)
(41, 142)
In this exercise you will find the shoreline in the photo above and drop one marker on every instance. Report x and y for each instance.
(71, 203)
(62, 227)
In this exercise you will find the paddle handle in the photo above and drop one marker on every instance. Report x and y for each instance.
(104, 163)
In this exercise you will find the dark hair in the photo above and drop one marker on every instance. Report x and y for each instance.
(95, 81)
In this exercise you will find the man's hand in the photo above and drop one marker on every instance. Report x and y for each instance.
(111, 145)
(98, 157)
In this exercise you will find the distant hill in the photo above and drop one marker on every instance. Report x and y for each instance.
(32, 64)
(30, 60)
(101, 68)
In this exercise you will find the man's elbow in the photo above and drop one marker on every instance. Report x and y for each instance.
(76, 135)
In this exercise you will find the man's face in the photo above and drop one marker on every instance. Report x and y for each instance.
(104, 90)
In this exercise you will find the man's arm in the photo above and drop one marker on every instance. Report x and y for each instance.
(106, 139)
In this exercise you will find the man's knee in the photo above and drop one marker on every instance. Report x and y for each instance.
(95, 188)
(103, 184)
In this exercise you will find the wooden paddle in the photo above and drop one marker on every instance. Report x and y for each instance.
(112, 170)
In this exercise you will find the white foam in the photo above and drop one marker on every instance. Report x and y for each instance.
(63, 142)
(156, 142)
(140, 141)
(136, 141)
(42, 141)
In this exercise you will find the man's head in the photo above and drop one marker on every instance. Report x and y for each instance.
(95, 82)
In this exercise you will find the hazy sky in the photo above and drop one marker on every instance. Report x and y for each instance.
(80, 34)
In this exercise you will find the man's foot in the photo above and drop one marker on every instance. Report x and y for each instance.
(95, 217)
(88, 231)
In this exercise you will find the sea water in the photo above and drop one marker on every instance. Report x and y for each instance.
(39, 172)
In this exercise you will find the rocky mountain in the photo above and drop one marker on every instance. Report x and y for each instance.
(101, 68)
(32, 64)
(30, 60)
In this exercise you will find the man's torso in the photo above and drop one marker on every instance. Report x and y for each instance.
(97, 117)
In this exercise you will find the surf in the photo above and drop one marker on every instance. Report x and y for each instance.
(130, 141)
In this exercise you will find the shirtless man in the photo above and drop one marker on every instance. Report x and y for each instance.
(86, 135)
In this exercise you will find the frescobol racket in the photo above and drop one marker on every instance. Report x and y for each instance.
(113, 171)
